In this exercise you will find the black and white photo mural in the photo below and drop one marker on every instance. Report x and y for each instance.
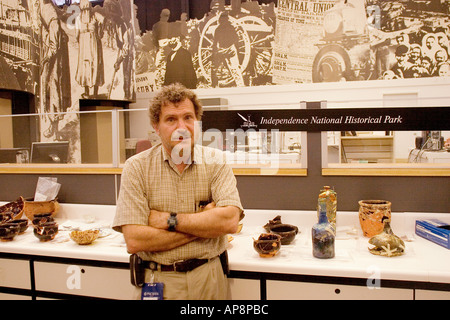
(57, 49)
(247, 43)
(19, 46)
(229, 46)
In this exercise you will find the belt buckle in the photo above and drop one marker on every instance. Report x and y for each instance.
(152, 265)
(181, 266)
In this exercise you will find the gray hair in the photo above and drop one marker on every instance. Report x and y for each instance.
(173, 93)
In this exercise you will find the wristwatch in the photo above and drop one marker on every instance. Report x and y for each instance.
(172, 221)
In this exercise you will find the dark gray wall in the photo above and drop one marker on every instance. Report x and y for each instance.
(81, 188)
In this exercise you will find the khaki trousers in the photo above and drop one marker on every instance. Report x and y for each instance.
(206, 282)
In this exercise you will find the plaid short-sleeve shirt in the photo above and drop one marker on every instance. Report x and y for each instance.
(150, 180)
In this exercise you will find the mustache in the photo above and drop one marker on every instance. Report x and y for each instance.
(180, 135)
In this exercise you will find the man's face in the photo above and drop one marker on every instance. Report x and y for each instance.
(444, 70)
(415, 54)
(176, 127)
(426, 64)
(401, 58)
(173, 43)
(440, 56)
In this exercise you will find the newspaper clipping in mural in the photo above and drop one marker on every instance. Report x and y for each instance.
(299, 27)
(354, 40)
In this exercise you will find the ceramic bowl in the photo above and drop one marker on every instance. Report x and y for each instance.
(33, 208)
(286, 231)
(8, 231)
(372, 214)
(6, 217)
(84, 237)
(15, 207)
(42, 218)
(46, 231)
(22, 223)
(267, 245)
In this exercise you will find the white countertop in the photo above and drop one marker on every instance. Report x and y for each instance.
(109, 248)
(422, 261)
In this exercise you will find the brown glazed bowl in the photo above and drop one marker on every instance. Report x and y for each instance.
(8, 231)
(267, 245)
(5, 217)
(286, 231)
(22, 223)
(42, 218)
(46, 231)
(14, 207)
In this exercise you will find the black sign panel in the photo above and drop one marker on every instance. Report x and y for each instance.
(349, 119)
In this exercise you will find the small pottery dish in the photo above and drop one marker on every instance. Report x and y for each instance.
(6, 217)
(267, 245)
(84, 237)
(42, 218)
(46, 231)
(8, 231)
(286, 231)
(22, 223)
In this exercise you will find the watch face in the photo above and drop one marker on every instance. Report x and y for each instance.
(172, 221)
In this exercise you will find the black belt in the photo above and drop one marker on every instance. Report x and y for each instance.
(178, 266)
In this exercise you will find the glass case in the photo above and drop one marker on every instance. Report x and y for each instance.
(104, 139)
(100, 141)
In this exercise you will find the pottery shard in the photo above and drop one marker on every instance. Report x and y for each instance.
(274, 221)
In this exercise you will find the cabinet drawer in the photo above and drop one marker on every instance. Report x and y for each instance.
(289, 290)
(15, 273)
(432, 295)
(102, 282)
(244, 289)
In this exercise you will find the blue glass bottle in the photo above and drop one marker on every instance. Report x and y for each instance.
(323, 234)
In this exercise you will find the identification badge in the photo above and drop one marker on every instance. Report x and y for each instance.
(152, 291)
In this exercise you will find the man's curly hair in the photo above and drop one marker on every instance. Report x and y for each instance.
(173, 93)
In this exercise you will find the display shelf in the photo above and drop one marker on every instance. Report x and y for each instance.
(258, 170)
(370, 148)
(248, 170)
(391, 169)
(59, 169)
